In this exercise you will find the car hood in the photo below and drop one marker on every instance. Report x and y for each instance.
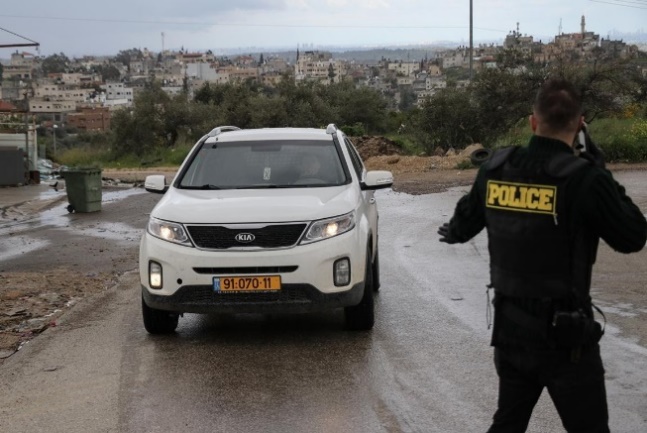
(252, 206)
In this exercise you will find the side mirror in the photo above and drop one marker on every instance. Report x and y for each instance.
(156, 183)
(377, 179)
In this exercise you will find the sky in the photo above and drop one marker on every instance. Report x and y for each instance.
(82, 27)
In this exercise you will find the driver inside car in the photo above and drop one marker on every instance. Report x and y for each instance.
(309, 166)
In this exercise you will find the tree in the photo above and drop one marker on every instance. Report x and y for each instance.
(407, 98)
(143, 128)
(128, 56)
(331, 73)
(109, 72)
(503, 97)
(449, 119)
(55, 64)
(361, 106)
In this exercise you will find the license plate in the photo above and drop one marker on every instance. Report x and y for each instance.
(262, 283)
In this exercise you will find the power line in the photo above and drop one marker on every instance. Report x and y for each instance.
(16, 34)
(192, 23)
(617, 3)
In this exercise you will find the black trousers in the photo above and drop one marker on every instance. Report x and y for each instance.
(576, 388)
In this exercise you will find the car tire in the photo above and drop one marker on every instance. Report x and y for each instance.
(158, 321)
(376, 272)
(361, 317)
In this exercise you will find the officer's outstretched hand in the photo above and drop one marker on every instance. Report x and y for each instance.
(445, 235)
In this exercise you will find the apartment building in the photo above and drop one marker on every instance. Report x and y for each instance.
(455, 58)
(188, 58)
(208, 72)
(318, 66)
(53, 107)
(271, 79)
(404, 68)
(275, 64)
(56, 92)
(118, 91)
(239, 74)
(90, 118)
(20, 66)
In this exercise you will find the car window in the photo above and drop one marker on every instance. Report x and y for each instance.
(355, 158)
(265, 164)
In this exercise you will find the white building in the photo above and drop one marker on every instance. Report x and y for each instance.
(54, 92)
(208, 72)
(404, 68)
(318, 66)
(118, 91)
(42, 106)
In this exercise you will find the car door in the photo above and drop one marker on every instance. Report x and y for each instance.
(368, 205)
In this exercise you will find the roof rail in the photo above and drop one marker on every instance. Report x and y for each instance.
(220, 129)
(331, 129)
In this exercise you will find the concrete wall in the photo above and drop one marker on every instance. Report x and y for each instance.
(17, 141)
(12, 167)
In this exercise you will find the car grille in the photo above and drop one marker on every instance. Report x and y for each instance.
(205, 295)
(247, 270)
(271, 236)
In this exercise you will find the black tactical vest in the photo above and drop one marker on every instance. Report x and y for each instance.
(535, 251)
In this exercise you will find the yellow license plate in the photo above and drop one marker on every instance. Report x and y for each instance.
(262, 283)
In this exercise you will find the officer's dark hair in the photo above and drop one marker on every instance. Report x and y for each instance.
(558, 103)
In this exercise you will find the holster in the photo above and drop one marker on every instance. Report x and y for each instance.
(571, 329)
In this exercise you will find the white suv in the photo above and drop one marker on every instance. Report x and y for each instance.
(263, 220)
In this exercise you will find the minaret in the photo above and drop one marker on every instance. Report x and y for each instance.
(583, 24)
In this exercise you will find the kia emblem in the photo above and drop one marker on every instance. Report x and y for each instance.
(245, 238)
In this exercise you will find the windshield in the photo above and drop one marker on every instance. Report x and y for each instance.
(265, 164)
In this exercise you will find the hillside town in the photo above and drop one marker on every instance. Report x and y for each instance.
(80, 94)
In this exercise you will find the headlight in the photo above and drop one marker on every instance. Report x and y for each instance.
(328, 228)
(168, 231)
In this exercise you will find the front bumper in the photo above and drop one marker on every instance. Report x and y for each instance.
(306, 271)
(292, 298)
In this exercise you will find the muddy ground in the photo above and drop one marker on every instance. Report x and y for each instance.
(36, 292)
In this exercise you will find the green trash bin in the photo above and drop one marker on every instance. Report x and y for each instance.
(83, 186)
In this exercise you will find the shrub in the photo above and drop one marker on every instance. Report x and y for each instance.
(621, 139)
(356, 130)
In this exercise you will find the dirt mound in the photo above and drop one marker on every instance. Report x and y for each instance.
(369, 146)
(399, 163)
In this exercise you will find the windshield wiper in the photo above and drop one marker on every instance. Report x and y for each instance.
(262, 186)
(205, 186)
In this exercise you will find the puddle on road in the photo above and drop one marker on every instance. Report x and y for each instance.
(622, 309)
(20, 240)
(18, 245)
(59, 217)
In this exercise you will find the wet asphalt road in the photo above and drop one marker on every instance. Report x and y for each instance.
(426, 367)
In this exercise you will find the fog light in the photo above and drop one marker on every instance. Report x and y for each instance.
(341, 272)
(155, 275)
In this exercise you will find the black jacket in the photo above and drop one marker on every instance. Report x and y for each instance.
(601, 210)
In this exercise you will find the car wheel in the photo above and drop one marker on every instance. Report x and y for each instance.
(376, 272)
(361, 317)
(158, 321)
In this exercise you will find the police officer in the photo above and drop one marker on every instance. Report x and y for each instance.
(545, 210)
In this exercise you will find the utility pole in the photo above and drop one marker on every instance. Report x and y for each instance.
(471, 41)
(54, 128)
(29, 43)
